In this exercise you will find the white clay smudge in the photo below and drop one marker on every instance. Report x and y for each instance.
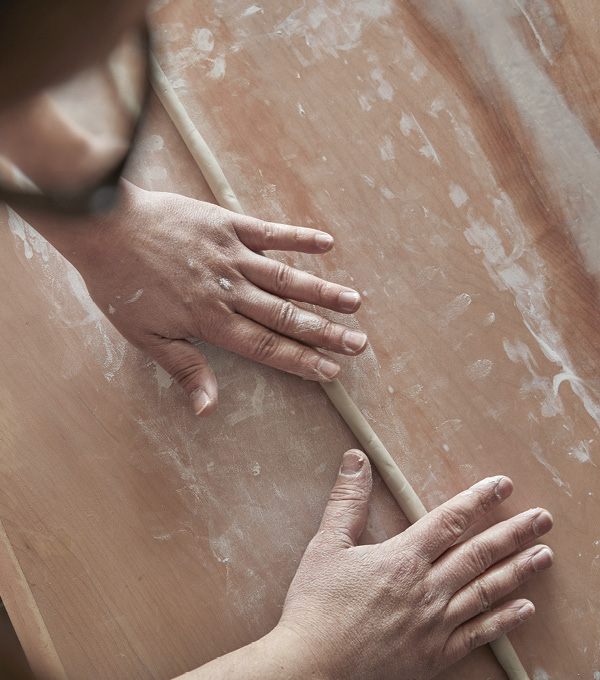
(253, 9)
(32, 241)
(203, 39)
(561, 139)
(386, 149)
(581, 452)
(63, 285)
(408, 124)
(458, 195)
(454, 309)
(536, 449)
(418, 72)
(163, 379)
(319, 27)
(539, 385)
(135, 297)
(479, 369)
(384, 89)
(521, 271)
(369, 180)
(538, 37)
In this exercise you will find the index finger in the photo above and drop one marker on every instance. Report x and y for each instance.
(258, 236)
(440, 529)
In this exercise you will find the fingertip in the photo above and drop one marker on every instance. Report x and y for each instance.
(526, 609)
(353, 462)
(355, 341)
(328, 369)
(543, 559)
(501, 486)
(349, 301)
(543, 522)
(504, 488)
(202, 404)
(324, 242)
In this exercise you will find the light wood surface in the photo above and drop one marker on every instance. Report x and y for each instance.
(451, 150)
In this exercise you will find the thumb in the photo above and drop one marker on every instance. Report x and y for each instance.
(346, 511)
(189, 367)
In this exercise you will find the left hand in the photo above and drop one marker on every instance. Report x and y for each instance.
(164, 268)
(407, 608)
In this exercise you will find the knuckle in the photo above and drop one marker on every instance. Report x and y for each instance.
(520, 571)
(427, 593)
(348, 494)
(322, 289)
(283, 276)
(487, 499)
(484, 594)
(339, 535)
(480, 555)
(408, 568)
(185, 373)
(307, 361)
(522, 531)
(222, 321)
(268, 233)
(475, 638)
(330, 333)
(454, 520)
(494, 630)
(266, 347)
(286, 316)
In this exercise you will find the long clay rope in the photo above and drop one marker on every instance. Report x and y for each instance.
(397, 483)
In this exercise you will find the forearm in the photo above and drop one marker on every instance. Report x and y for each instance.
(280, 655)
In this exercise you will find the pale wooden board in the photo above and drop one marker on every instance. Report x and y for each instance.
(151, 541)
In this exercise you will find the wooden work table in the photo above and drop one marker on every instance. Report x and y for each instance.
(452, 150)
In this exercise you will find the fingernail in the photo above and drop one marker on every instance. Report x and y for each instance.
(543, 559)
(542, 523)
(526, 611)
(200, 400)
(328, 369)
(323, 241)
(503, 488)
(348, 300)
(355, 340)
(352, 463)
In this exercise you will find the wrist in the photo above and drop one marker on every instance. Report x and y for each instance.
(280, 655)
(296, 657)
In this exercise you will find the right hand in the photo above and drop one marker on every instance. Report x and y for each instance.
(415, 604)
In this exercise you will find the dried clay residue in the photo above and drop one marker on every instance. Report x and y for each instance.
(326, 29)
(69, 301)
(522, 273)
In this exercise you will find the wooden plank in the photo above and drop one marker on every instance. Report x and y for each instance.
(22, 607)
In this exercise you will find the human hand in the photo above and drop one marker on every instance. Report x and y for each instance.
(415, 604)
(166, 268)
